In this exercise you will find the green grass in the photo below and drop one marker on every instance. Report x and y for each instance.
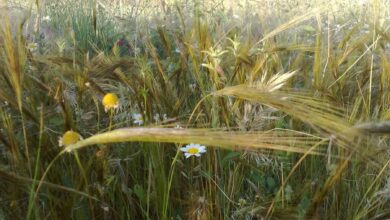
(291, 99)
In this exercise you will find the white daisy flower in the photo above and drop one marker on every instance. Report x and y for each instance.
(70, 137)
(193, 150)
(138, 119)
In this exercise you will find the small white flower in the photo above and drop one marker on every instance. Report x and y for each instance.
(46, 18)
(138, 119)
(193, 150)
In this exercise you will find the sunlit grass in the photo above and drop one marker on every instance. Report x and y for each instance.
(195, 110)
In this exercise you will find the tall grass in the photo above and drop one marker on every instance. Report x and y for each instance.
(291, 99)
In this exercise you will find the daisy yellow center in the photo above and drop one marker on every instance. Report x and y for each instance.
(70, 137)
(110, 100)
(193, 150)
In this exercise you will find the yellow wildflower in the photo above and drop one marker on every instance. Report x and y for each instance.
(70, 137)
(110, 100)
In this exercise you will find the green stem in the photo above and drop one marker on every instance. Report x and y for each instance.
(170, 179)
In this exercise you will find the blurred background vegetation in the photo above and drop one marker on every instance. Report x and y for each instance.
(286, 95)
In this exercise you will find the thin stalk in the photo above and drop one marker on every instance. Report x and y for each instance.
(170, 179)
(76, 155)
(32, 190)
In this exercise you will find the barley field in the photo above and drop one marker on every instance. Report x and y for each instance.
(195, 109)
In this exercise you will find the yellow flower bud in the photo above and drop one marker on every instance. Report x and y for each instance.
(110, 100)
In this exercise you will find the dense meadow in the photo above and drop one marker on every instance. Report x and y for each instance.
(194, 109)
